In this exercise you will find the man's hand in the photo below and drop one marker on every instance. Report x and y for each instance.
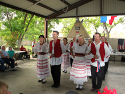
(96, 56)
(73, 56)
(52, 55)
(8, 57)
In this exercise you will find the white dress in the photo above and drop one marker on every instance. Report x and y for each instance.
(78, 72)
(42, 61)
(65, 56)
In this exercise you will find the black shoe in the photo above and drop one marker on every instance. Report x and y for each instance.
(93, 89)
(2, 70)
(77, 88)
(56, 86)
(103, 79)
(97, 90)
(43, 82)
(65, 72)
(40, 80)
(53, 85)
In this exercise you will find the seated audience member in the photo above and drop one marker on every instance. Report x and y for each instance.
(11, 53)
(6, 58)
(2, 67)
(4, 88)
(24, 53)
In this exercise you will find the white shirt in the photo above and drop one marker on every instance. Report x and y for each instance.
(55, 60)
(41, 48)
(80, 49)
(110, 48)
(107, 53)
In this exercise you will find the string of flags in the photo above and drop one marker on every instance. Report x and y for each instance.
(104, 19)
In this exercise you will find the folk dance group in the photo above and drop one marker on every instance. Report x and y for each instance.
(85, 60)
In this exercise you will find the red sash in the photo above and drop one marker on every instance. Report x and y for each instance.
(101, 51)
(57, 48)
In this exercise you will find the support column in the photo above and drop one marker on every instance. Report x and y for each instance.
(46, 29)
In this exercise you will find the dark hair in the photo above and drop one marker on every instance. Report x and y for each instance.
(65, 38)
(56, 32)
(98, 34)
(10, 47)
(41, 36)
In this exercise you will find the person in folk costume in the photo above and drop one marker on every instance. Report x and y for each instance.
(33, 45)
(70, 49)
(42, 60)
(106, 59)
(56, 49)
(88, 60)
(65, 64)
(78, 72)
(99, 50)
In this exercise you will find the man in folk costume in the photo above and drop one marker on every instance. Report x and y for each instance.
(56, 49)
(42, 60)
(78, 72)
(100, 51)
(88, 60)
(106, 59)
(65, 64)
(70, 49)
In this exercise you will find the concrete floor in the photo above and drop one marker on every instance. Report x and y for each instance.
(25, 80)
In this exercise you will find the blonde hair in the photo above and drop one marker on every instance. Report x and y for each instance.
(81, 36)
(1, 86)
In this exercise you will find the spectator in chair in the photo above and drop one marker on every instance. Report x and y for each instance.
(5, 57)
(11, 53)
(2, 67)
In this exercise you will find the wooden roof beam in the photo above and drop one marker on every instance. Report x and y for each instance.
(64, 1)
(71, 7)
(42, 5)
(21, 9)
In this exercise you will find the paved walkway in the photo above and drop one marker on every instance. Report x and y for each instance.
(25, 80)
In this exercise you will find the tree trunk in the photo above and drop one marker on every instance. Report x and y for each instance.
(22, 35)
(106, 29)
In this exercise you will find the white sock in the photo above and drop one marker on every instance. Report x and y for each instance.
(44, 80)
(77, 86)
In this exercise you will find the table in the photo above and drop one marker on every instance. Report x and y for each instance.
(19, 52)
(117, 54)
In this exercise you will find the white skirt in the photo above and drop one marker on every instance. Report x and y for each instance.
(65, 64)
(78, 72)
(42, 67)
(88, 66)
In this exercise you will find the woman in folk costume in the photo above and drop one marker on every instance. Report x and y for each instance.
(70, 49)
(88, 60)
(42, 61)
(65, 64)
(78, 71)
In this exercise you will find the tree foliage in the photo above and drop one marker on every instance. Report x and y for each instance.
(27, 25)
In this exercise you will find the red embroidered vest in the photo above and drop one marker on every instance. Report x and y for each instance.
(107, 44)
(101, 51)
(57, 48)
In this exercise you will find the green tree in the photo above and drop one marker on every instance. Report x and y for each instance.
(27, 25)
(67, 25)
(95, 22)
